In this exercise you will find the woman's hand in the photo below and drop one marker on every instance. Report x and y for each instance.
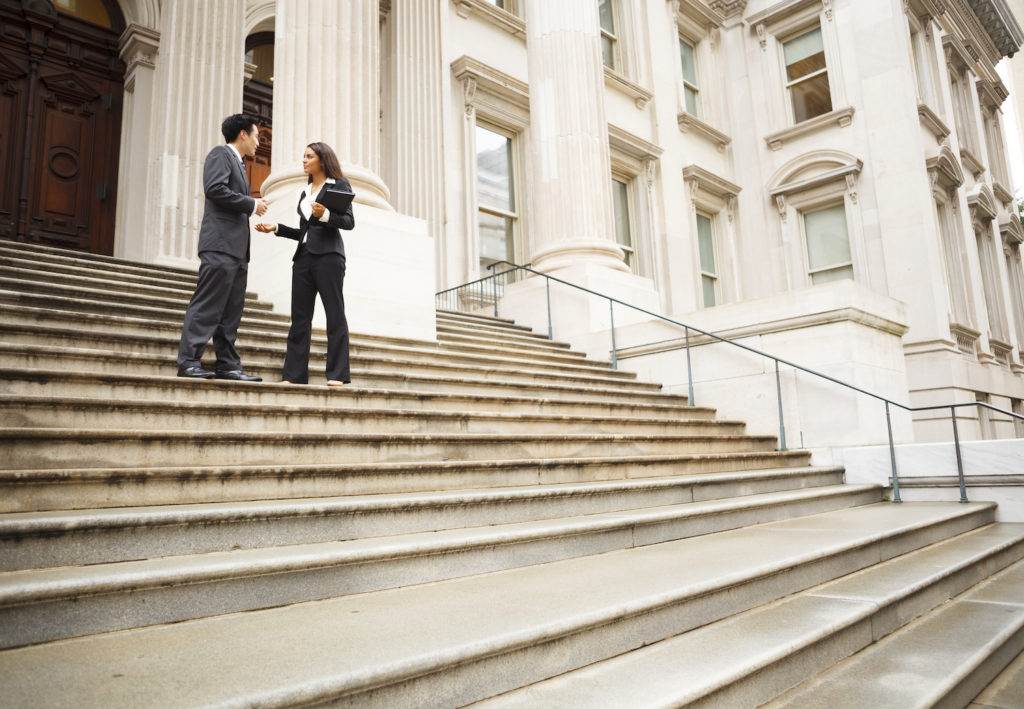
(318, 210)
(266, 228)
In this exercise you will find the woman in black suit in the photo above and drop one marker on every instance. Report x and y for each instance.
(318, 267)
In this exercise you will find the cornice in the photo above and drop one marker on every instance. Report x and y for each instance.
(490, 12)
(489, 80)
(999, 25)
(710, 182)
(841, 117)
(932, 121)
(617, 81)
(632, 145)
(688, 122)
(728, 8)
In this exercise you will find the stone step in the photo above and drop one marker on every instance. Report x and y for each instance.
(1005, 691)
(944, 658)
(14, 269)
(453, 316)
(79, 488)
(450, 336)
(272, 347)
(369, 371)
(40, 605)
(89, 259)
(106, 535)
(137, 387)
(42, 448)
(484, 330)
(553, 618)
(102, 291)
(72, 267)
(750, 658)
(90, 412)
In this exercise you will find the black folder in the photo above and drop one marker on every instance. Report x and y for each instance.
(336, 199)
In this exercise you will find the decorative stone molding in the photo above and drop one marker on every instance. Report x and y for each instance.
(260, 15)
(1001, 193)
(931, 120)
(814, 170)
(926, 8)
(490, 12)
(966, 338)
(697, 177)
(992, 92)
(956, 52)
(632, 145)
(944, 170)
(982, 203)
(999, 24)
(971, 162)
(617, 81)
(841, 117)
(688, 122)
(478, 77)
(699, 13)
(786, 15)
(728, 8)
(138, 46)
(1012, 230)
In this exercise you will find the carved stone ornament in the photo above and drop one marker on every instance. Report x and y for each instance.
(851, 186)
(469, 94)
(780, 204)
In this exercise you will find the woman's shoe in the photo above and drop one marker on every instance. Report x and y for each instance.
(335, 383)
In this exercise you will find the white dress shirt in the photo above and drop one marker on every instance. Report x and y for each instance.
(307, 200)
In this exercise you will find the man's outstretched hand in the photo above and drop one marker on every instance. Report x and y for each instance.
(261, 207)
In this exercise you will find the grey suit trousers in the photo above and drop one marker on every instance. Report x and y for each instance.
(215, 311)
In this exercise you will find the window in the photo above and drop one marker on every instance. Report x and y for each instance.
(623, 232)
(708, 262)
(990, 283)
(691, 91)
(807, 75)
(1016, 277)
(609, 40)
(828, 245)
(994, 145)
(953, 262)
(496, 209)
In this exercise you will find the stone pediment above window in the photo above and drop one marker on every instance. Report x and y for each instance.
(494, 91)
(697, 12)
(1001, 193)
(708, 184)
(945, 171)
(933, 122)
(630, 153)
(992, 92)
(787, 15)
(982, 203)
(615, 80)
(927, 8)
(819, 171)
(688, 122)
(1012, 230)
(971, 162)
(490, 12)
(956, 52)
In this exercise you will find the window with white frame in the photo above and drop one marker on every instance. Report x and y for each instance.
(710, 292)
(623, 223)
(1011, 253)
(921, 59)
(990, 282)
(807, 75)
(609, 36)
(496, 207)
(995, 147)
(827, 244)
(953, 263)
(691, 87)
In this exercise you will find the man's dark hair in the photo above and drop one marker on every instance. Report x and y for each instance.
(233, 125)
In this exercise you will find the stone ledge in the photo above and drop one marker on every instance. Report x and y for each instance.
(491, 13)
(688, 122)
(641, 96)
(841, 117)
(971, 162)
(931, 120)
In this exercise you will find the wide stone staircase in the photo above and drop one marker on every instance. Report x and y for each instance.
(489, 518)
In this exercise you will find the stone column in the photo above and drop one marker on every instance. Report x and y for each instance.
(198, 83)
(571, 219)
(327, 88)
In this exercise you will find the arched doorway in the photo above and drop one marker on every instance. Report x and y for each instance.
(61, 87)
(258, 101)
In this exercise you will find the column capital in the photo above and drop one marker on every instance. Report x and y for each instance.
(138, 46)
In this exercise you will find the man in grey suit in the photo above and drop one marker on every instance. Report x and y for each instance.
(216, 306)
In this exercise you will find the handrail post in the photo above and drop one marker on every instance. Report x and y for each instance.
(611, 313)
(547, 295)
(778, 393)
(959, 457)
(892, 458)
(689, 371)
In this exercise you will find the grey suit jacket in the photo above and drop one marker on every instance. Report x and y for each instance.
(225, 226)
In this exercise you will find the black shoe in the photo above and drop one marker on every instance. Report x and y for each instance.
(237, 375)
(195, 372)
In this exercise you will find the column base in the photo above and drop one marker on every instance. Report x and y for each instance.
(600, 254)
(285, 186)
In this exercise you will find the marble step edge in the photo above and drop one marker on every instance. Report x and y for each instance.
(56, 377)
(768, 669)
(1004, 690)
(452, 336)
(945, 685)
(42, 585)
(26, 262)
(487, 374)
(457, 315)
(86, 256)
(265, 345)
(18, 526)
(496, 331)
(156, 406)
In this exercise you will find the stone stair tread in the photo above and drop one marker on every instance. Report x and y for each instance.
(88, 257)
(1005, 691)
(326, 649)
(928, 660)
(457, 315)
(694, 665)
(14, 525)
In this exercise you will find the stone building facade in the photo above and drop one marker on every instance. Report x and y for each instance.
(825, 179)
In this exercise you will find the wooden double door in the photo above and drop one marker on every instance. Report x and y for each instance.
(61, 88)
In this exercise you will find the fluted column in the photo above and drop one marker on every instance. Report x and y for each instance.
(571, 200)
(327, 88)
(198, 83)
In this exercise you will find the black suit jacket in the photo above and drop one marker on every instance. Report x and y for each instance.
(320, 237)
(225, 226)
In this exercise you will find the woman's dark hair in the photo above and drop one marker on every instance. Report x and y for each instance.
(233, 125)
(328, 161)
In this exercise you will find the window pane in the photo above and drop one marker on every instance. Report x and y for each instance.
(495, 240)
(89, 10)
(692, 106)
(494, 170)
(708, 287)
(620, 200)
(811, 98)
(827, 240)
(706, 244)
(804, 54)
(262, 55)
(837, 274)
(608, 51)
(604, 8)
(689, 65)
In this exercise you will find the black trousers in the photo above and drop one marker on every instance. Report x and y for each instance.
(313, 274)
(215, 311)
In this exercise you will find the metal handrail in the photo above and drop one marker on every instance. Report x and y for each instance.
(777, 360)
